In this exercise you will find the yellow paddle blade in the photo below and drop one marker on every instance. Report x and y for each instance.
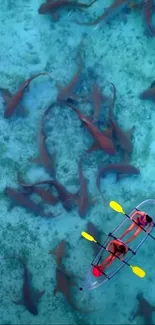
(138, 271)
(117, 207)
(88, 237)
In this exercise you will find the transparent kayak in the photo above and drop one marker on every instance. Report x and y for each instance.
(92, 282)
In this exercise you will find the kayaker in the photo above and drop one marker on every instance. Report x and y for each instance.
(116, 248)
(143, 220)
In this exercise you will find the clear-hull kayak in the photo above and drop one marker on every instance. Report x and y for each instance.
(93, 282)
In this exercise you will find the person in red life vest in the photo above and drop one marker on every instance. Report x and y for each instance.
(116, 249)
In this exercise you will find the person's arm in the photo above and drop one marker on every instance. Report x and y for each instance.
(108, 246)
(133, 216)
(126, 250)
(123, 256)
(149, 227)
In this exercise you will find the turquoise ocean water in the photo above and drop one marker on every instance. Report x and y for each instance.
(119, 52)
